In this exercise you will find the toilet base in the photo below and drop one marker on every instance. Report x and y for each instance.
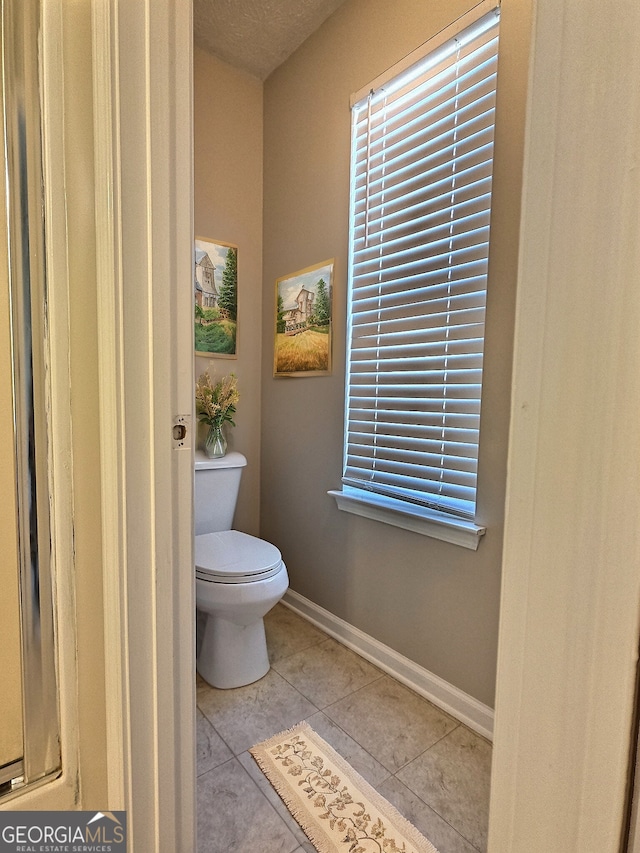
(232, 655)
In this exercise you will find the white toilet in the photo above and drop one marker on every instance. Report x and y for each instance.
(239, 578)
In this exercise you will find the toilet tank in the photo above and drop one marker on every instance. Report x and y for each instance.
(216, 491)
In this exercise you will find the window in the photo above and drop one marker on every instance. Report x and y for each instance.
(422, 156)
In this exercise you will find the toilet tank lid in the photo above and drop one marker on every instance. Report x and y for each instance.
(229, 460)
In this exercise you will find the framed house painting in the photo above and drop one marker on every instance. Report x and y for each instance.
(303, 322)
(216, 298)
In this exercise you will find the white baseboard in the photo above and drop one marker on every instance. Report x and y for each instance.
(460, 705)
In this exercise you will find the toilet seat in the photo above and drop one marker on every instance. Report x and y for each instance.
(230, 556)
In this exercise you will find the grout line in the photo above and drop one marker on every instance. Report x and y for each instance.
(266, 798)
(224, 760)
(298, 651)
(434, 810)
(358, 744)
(235, 758)
(215, 729)
(298, 691)
(424, 751)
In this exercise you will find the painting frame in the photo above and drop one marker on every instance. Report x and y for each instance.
(303, 330)
(215, 283)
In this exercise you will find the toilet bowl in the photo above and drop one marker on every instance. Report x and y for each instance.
(238, 580)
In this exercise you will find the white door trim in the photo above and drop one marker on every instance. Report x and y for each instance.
(112, 422)
(143, 176)
(571, 587)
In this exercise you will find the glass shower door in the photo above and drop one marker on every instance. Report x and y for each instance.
(29, 727)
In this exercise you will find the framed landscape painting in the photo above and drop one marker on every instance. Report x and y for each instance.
(216, 298)
(303, 322)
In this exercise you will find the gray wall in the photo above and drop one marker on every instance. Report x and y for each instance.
(435, 603)
(228, 208)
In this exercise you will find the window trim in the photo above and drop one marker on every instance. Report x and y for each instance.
(428, 522)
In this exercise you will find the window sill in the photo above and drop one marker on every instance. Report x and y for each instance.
(438, 525)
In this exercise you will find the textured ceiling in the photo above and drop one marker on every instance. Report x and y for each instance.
(257, 35)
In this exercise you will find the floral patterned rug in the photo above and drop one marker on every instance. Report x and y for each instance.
(334, 805)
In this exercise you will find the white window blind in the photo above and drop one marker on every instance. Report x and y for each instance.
(422, 155)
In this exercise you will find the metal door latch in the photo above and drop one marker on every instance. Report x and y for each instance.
(181, 432)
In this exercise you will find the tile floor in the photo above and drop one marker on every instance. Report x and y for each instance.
(434, 770)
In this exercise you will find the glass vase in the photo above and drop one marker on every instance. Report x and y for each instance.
(215, 444)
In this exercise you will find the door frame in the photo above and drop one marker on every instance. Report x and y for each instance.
(566, 587)
(558, 595)
(142, 55)
(570, 605)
